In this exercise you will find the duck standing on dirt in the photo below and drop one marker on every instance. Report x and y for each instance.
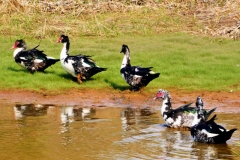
(33, 59)
(80, 66)
(181, 117)
(210, 132)
(135, 76)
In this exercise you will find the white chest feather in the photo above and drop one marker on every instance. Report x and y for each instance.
(16, 51)
(125, 61)
(68, 67)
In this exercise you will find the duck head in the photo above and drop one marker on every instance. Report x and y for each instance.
(19, 44)
(125, 49)
(199, 103)
(63, 39)
(162, 94)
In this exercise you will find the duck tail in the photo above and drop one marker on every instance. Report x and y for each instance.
(52, 61)
(230, 132)
(96, 70)
(149, 78)
(153, 76)
(102, 69)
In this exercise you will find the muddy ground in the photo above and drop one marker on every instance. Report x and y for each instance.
(224, 101)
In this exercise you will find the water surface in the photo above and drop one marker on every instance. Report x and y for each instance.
(35, 131)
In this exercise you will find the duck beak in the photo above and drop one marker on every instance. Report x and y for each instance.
(59, 40)
(14, 46)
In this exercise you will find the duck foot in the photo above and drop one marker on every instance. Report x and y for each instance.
(134, 89)
(79, 78)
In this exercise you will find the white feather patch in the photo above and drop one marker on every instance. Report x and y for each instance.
(137, 76)
(221, 129)
(50, 57)
(169, 120)
(23, 58)
(68, 67)
(38, 60)
(209, 134)
(17, 51)
(178, 121)
(151, 72)
(85, 64)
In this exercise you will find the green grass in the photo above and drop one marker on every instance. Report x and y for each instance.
(237, 152)
(185, 62)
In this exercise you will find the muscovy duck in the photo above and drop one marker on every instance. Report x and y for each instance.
(80, 66)
(180, 117)
(33, 59)
(135, 76)
(210, 132)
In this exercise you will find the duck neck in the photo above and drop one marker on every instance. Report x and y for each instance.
(126, 59)
(16, 51)
(65, 49)
(166, 105)
(200, 112)
(199, 115)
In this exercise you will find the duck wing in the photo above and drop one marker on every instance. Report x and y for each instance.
(136, 70)
(186, 108)
(87, 61)
(80, 61)
(215, 128)
(28, 57)
(208, 113)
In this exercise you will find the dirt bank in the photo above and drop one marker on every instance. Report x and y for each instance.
(224, 101)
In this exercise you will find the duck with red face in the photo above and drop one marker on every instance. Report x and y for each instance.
(183, 116)
(33, 59)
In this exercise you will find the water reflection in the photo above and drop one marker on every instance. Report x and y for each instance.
(67, 114)
(211, 151)
(70, 114)
(132, 117)
(63, 132)
(23, 110)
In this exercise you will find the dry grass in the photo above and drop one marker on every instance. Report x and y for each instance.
(41, 18)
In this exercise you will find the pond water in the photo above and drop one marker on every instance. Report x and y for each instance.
(34, 131)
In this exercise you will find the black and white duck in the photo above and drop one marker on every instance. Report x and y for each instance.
(137, 77)
(80, 66)
(183, 116)
(210, 132)
(33, 59)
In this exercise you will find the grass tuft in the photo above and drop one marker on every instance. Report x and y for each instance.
(46, 19)
(237, 152)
